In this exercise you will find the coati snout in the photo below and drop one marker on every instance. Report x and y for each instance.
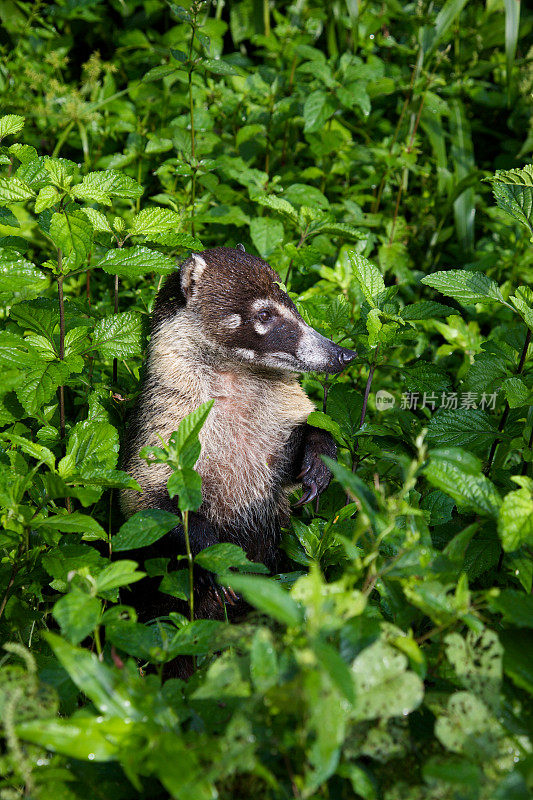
(244, 310)
(223, 329)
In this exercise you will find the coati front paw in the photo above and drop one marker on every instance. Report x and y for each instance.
(222, 594)
(315, 478)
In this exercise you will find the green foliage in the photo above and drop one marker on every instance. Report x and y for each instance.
(355, 147)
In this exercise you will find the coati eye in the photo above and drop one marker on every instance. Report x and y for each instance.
(264, 315)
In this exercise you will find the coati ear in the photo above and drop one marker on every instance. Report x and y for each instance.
(191, 272)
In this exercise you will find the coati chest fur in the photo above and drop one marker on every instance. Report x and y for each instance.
(223, 329)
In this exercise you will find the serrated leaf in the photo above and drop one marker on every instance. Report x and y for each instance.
(73, 234)
(108, 183)
(10, 124)
(118, 336)
(97, 220)
(133, 262)
(466, 287)
(516, 392)
(278, 204)
(144, 528)
(462, 427)
(219, 67)
(317, 419)
(13, 189)
(425, 309)
(8, 218)
(515, 522)
(91, 445)
(513, 190)
(48, 196)
(457, 473)
(266, 235)
(33, 449)
(426, 378)
(20, 280)
(186, 484)
(185, 444)
(367, 276)
(154, 220)
(40, 383)
(121, 573)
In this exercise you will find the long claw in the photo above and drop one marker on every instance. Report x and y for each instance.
(313, 492)
(302, 501)
(309, 495)
(302, 473)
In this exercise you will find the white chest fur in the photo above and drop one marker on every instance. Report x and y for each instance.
(244, 437)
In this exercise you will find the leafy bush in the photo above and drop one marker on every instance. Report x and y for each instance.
(360, 149)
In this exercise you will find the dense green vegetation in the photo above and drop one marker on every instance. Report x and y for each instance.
(376, 154)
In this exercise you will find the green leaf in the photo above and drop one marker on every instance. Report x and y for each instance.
(8, 218)
(154, 220)
(515, 521)
(458, 474)
(427, 379)
(513, 190)
(132, 262)
(465, 427)
(279, 205)
(48, 196)
(265, 595)
(516, 392)
(468, 727)
(13, 190)
(10, 124)
(20, 280)
(73, 523)
(467, 287)
(336, 668)
(317, 419)
(187, 485)
(195, 638)
(97, 220)
(82, 738)
(477, 661)
(366, 275)
(219, 67)
(118, 336)
(109, 183)
(78, 615)
(384, 687)
(73, 234)
(431, 37)
(221, 557)
(425, 309)
(40, 383)
(91, 445)
(515, 607)
(318, 108)
(32, 449)
(176, 584)
(144, 528)
(184, 442)
(263, 661)
(121, 573)
(99, 682)
(267, 234)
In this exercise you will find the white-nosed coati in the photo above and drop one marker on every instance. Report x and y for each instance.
(223, 328)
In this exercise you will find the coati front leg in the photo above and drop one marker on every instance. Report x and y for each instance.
(308, 466)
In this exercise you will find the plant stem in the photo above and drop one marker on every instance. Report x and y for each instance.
(506, 410)
(115, 307)
(190, 563)
(355, 461)
(60, 279)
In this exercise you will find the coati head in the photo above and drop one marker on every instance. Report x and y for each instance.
(242, 309)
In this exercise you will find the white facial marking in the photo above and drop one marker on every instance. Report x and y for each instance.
(311, 349)
(261, 327)
(243, 352)
(232, 321)
(282, 310)
(192, 272)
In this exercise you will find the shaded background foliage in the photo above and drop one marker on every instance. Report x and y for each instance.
(349, 146)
